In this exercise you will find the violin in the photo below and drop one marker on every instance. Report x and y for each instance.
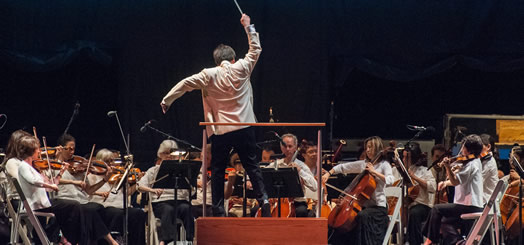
(134, 175)
(77, 164)
(43, 164)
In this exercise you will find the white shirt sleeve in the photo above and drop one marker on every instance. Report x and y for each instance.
(351, 167)
(196, 81)
(307, 176)
(24, 171)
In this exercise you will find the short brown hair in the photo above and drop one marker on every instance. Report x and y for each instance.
(223, 52)
(26, 147)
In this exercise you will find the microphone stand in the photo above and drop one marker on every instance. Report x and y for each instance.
(174, 138)
(123, 182)
(75, 112)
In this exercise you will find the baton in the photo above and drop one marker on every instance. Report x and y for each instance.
(238, 6)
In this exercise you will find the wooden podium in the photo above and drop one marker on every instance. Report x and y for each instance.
(211, 230)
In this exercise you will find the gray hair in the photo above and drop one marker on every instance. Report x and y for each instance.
(166, 146)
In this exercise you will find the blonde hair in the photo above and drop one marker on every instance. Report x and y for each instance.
(166, 146)
(104, 155)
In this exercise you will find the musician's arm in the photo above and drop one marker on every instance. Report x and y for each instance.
(452, 178)
(349, 168)
(307, 176)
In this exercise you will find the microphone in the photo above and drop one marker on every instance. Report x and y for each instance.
(144, 128)
(420, 128)
(111, 113)
(77, 107)
(280, 138)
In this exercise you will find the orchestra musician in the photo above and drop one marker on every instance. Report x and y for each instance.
(426, 185)
(69, 214)
(373, 220)
(228, 97)
(509, 204)
(163, 200)
(489, 166)
(72, 187)
(113, 203)
(306, 177)
(467, 180)
(308, 151)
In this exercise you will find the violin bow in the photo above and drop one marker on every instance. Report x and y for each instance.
(48, 160)
(89, 162)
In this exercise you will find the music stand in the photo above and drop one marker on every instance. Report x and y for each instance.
(283, 182)
(176, 174)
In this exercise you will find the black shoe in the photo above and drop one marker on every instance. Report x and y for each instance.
(266, 210)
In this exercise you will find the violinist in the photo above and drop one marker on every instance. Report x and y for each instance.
(113, 203)
(72, 187)
(467, 180)
(373, 220)
(69, 214)
(306, 177)
(489, 166)
(163, 200)
(419, 209)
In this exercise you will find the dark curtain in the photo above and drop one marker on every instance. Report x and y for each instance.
(382, 63)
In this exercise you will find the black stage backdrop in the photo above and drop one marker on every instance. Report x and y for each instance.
(383, 63)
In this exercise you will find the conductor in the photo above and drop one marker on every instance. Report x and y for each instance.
(228, 97)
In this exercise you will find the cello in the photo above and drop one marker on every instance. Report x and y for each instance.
(343, 216)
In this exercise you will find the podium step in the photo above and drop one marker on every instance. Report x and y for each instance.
(214, 230)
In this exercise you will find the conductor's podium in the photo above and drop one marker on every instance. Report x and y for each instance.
(214, 230)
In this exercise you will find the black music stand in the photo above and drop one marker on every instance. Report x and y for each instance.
(283, 182)
(176, 174)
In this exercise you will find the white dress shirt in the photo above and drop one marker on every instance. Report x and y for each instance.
(227, 95)
(490, 175)
(378, 197)
(168, 194)
(32, 184)
(470, 189)
(305, 174)
(425, 196)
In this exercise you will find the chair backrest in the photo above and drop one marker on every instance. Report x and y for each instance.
(36, 224)
(394, 192)
(478, 231)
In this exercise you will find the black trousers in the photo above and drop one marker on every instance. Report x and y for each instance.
(243, 141)
(301, 209)
(95, 225)
(114, 220)
(372, 223)
(167, 214)
(448, 214)
(70, 219)
(417, 216)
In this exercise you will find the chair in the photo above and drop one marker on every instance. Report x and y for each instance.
(31, 214)
(394, 219)
(154, 223)
(485, 220)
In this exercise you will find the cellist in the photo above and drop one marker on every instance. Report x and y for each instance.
(468, 193)
(373, 220)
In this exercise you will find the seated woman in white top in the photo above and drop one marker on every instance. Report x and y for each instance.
(425, 183)
(373, 220)
(114, 204)
(68, 214)
(164, 199)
